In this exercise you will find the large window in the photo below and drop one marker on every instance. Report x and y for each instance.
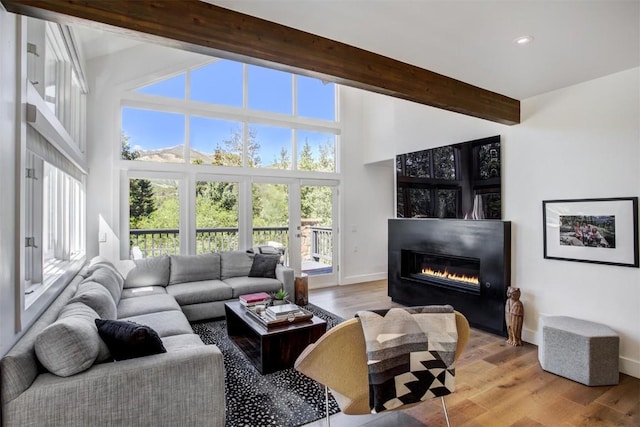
(53, 213)
(238, 116)
(226, 129)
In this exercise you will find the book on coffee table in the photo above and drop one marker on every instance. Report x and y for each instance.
(283, 310)
(250, 300)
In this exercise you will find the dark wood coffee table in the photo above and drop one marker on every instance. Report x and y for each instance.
(271, 349)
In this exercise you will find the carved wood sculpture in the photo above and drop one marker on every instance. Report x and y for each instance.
(514, 315)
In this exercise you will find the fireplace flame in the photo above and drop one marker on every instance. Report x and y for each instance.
(451, 276)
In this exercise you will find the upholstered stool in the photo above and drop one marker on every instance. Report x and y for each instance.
(583, 351)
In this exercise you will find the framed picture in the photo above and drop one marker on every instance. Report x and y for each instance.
(602, 231)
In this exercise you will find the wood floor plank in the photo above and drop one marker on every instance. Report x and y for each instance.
(496, 384)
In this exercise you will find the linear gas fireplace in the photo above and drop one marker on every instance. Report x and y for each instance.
(465, 263)
(447, 271)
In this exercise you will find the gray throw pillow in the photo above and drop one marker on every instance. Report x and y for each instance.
(71, 344)
(264, 266)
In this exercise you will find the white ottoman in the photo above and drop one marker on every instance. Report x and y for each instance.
(583, 351)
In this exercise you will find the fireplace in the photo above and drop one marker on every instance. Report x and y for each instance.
(465, 263)
(443, 270)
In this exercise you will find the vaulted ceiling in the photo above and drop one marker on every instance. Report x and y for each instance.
(470, 42)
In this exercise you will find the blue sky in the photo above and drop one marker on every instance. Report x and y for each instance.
(221, 83)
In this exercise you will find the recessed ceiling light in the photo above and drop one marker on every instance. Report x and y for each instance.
(523, 40)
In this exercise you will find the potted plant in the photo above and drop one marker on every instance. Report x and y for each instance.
(279, 297)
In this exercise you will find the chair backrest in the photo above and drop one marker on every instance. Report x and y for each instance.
(339, 361)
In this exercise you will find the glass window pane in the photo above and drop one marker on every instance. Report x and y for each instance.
(270, 90)
(173, 87)
(270, 214)
(215, 142)
(316, 208)
(218, 83)
(316, 99)
(153, 136)
(154, 217)
(216, 216)
(316, 151)
(269, 147)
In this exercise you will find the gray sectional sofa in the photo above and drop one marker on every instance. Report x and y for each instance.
(60, 372)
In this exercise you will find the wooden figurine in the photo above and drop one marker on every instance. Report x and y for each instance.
(514, 314)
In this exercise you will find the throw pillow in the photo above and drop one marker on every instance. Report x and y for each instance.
(264, 266)
(127, 340)
(71, 344)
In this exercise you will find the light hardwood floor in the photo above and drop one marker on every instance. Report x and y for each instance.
(496, 384)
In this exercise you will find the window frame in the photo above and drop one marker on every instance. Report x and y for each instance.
(190, 173)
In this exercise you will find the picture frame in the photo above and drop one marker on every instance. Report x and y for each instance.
(601, 231)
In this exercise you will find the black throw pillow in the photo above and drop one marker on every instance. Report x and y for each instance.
(264, 266)
(127, 340)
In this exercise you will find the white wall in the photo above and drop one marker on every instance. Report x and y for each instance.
(108, 76)
(366, 201)
(579, 142)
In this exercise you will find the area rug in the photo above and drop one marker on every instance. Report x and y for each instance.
(283, 398)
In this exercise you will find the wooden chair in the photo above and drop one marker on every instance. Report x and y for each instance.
(338, 360)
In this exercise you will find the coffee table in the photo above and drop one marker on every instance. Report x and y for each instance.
(271, 349)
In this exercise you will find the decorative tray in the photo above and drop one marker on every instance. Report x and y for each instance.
(269, 322)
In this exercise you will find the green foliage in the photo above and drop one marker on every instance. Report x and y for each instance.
(141, 199)
(155, 204)
(280, 295)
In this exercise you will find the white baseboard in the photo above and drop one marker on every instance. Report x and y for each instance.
(351, 280)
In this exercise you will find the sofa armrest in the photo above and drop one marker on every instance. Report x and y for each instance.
(184, 387)
(286, 276)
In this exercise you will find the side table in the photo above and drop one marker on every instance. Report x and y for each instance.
(302, 290)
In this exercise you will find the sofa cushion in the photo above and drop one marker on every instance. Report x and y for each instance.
(235, 264)
(92, 268)
(108, 279)
(197, 292)
(264, 266)
(249, 285)
(146, 304)
(71, 344)
(179, 342)
(139, 292)
(194, 268)
(97, 297)
(149, 272)
(128, 340)
(165, 323)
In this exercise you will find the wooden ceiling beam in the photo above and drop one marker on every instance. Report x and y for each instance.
(204, 28)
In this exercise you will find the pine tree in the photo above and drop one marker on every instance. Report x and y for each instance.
(141, 203)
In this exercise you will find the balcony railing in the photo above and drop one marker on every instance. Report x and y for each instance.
(322, 244)
(149, 243)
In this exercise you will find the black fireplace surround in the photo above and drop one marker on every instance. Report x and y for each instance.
(465, 263)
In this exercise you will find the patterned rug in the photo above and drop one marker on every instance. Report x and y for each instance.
(283, 398)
